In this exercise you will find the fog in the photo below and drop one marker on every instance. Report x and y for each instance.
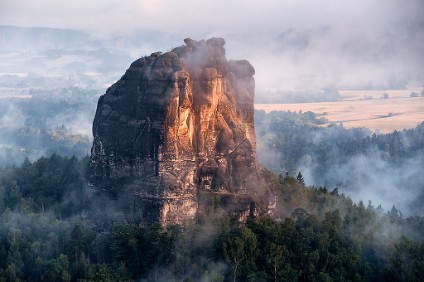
(292, 44)
(296, 47)
(368, 177)
(382, 168)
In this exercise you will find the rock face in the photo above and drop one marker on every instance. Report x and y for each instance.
(174, 125)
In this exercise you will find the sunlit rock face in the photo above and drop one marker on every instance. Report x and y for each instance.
(176, 124)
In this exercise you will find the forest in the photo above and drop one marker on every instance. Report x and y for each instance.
(51, 120)
(349, 201)
(53, 226)
(364, 164)
(299, 136)
(50, 231)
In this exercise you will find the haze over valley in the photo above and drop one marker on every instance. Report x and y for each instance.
(208, 141)
(381, 111)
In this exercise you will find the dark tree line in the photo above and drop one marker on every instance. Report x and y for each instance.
(317, 235)
(297, 139)
(36, 126)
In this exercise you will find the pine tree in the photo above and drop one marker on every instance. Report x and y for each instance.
(300, 178)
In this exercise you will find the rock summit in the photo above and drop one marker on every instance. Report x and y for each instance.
(175, 125)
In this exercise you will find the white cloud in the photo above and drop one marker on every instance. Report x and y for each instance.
(291, 43)
(206, 16)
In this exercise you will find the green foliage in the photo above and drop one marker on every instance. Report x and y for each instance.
(240, 252)
(39, 129)
(36, 187)
(290, 140)
(318, 236)
(406, 261)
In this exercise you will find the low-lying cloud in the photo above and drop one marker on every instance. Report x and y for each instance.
(367, 177)
(292, 44)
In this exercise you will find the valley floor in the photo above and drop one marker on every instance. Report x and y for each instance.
(378, 110)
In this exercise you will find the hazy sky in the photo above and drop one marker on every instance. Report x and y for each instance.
(210, 16)
(292, 44)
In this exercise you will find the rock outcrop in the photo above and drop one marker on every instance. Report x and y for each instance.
(175, 124)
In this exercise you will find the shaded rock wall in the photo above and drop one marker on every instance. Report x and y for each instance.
(173, 124)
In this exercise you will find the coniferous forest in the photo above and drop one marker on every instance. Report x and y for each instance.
(384, 168)
(103, 97)
(51, 231)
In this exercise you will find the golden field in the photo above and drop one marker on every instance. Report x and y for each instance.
(370, 109)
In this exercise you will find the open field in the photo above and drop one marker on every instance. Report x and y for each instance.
(365, 109)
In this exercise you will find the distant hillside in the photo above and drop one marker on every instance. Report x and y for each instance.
(296, 96)
(378, 110)
(384, 168)
(13, 38)
(50, 121)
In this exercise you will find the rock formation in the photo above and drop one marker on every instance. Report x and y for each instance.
(176, 124)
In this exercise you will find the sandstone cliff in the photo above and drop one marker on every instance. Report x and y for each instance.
(176, 124)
